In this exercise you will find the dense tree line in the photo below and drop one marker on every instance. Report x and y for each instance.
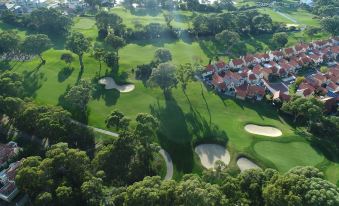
(310, 112)
(43, 20)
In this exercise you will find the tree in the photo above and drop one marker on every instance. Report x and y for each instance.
(78, 44)
(9, 42)
(111, 59)
(280, 39)
(62, 171)
(76, 99)
(118, 120)
(36, 45)
(299, 80)
(311, 31)
(11, 84)
(184, 75)
(163, 76)
(310, 108)
(49, 21)
(228, 39)
(99, 55)
(92, 190)
(115, 42)
(106, 21)
(67, 58)
(162, 55)
(331, 25)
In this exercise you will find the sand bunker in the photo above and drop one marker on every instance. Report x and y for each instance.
(246, 164)
(110, 84)
(263, 130)
(210, 153)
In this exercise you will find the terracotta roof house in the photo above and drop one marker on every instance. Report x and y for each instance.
(301, 48)
(320, 44)
(7, 152)
(263, 57)
(255, 92)
(294, 63)
(334, 72)
(220, 65)
(282, 96)
(249, 60)
(266, 73)
(236, 63)
(316, 58)
(333, 87)
(276, 55)
(209, 70)
(321, 79)
(335, 79)
(218, 83)
(289, 52)
(8, 189)
(335, 51)
(285, 68)
(241, 92)
(305, 90)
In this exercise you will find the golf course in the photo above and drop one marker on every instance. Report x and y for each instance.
(187, 119)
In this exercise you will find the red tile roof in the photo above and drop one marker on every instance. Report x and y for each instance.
(237, 62)
(221, 64)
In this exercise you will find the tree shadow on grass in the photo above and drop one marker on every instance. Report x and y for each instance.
(64, 73)
(32, 82)
(174, 136)
(99, 92)
(179, 131)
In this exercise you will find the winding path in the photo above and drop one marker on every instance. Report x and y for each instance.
(164, 154)
(169, 164)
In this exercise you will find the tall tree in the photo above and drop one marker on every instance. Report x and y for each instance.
(163, 76)
(331, 25)
(99, 55)
(228, 39)
(67, 58)
(162, 55)
(280, 39)
(9, 42)
(115, 42)
(117, 119)
(78, 44)
(184, 75)
(36, 45)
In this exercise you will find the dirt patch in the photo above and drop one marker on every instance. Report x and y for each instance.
(210, 153)
(263, 130)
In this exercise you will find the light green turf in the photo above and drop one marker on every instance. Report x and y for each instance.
(332, 173)
(287, 155)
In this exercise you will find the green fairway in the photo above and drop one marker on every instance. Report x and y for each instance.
(288, 155)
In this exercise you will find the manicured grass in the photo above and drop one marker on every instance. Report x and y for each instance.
(332, 173)
(288, 155)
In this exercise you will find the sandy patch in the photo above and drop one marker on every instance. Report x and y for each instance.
(210, 153)
(295, 25)
(263, 130)
(246, 164)
(110, 84)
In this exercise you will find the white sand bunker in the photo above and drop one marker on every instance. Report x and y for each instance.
(110, 84)
(210, 153)
(263, 130)
(246, 164)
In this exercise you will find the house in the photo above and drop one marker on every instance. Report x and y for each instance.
(262, 57)
(301, 48)
(333, 87)
(209, 70)
(252, 78)
(232, 80)
(255, 92)
(334, 71)
(276, 55)
(8, 189)
(335, 52)
(8, 152)
(266, 72)
(236, 63)
(320, 79)
(289, 52)
(241, 92)
(249, 60)
(220, 65)
(316, 58)
(305, 90)
(282, 96)
(218, 83)
(294, 63)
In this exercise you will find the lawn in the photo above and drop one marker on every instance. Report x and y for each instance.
(287, 155)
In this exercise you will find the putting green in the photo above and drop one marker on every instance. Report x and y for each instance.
(288, 155)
